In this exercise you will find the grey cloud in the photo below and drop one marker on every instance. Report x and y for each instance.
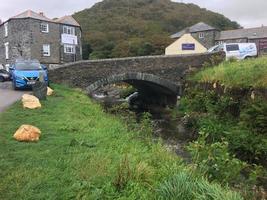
(248, 13)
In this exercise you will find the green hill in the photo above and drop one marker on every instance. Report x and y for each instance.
(120, 28)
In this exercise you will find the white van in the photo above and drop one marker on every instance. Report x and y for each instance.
(239, 51)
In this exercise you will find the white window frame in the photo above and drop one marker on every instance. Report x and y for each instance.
(6, 29)
(7, 50)
(44, 27)
(69, 30)
(69, 49)
(201, 35)
(46, 50)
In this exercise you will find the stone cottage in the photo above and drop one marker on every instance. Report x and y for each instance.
(200, 37)
(32, 35)
(195, 39)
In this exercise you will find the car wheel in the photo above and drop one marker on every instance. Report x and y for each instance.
(2, 79)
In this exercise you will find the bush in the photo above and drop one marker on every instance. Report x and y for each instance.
(254, 116)
(215, 161)
(247, 145)
(187, 187)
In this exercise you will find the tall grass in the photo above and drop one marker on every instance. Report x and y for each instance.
(187, 187)
(245, 73)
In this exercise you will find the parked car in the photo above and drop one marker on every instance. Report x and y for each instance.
(239, 51)
(25, 73)
(4, 75)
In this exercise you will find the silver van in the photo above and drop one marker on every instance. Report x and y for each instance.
(239, 51)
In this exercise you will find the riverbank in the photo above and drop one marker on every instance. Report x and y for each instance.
(85, 153)
(226, 107)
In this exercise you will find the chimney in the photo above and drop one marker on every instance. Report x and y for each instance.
(41, 13)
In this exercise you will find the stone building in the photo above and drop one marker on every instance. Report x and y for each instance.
(32, 35)
(251, 35)
(199, 38)
(208, 36)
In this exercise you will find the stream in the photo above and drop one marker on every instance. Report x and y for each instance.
(167, 126)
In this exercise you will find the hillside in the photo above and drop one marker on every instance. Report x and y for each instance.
(120, 28)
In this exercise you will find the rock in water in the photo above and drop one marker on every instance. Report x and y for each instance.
(49, 91)
(27, 133)
(30, 101)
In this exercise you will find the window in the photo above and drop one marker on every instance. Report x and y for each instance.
(201, 35)
(7, 50)
(44, 27)
(232, 47)
(69, 30)
(70, 49)
(46, 50)
(6, 29)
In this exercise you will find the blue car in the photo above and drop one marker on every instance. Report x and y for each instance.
(25, 73)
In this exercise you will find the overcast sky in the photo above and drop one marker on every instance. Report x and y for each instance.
(248, 13)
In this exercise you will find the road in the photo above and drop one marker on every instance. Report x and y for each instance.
(8, 96)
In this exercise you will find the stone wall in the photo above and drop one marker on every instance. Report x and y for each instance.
(25, 39)
(38, 39)
(18, 43)
(209, 38)
(173, 68)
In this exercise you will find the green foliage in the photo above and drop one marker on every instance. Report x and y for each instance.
(146, 124)
(247, 145)
(140, 27)
(254, 116)
(125, 92)
(83, 153)
(187, 187)
(244, 74)
(197, 100)
(215, 161)
(233, 136)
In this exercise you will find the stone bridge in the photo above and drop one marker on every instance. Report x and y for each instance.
(158, 78)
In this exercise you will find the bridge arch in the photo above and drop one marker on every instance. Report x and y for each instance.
(152, 89)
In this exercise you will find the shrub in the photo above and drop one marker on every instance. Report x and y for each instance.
(247, 145)
(254, 116)
(187, 187)
(215, 161)
(214, 128)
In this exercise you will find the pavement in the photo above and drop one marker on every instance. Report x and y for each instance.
(8, 96)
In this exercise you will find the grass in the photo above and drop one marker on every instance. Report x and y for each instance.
(83, 153)
(244, 74)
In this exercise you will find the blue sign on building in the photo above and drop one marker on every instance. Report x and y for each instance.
(188, 46)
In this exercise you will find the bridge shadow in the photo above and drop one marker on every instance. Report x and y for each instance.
(152, 90)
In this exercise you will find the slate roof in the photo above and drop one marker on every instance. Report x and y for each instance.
(31, 14)
(67, 20)
(201, 26)
(250, 33)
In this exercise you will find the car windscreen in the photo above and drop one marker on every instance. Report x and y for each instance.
(28, 66)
